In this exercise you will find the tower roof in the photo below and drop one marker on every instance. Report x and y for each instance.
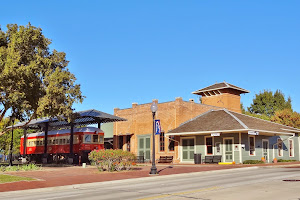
(219, 86)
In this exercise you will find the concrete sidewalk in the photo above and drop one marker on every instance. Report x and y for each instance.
(61, 176)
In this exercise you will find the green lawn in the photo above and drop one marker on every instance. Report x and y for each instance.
(8, 178)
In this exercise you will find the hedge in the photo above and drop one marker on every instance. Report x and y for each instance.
(253, 162)
(112, 160)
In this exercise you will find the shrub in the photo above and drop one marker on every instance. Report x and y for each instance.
(28, 167)
(281, 160)
(112, 160)
(253, 162)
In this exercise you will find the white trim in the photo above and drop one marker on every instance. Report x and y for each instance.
(241, 89)
(250, 136)
(281, 151)
(240, 146)
(237, 119)
(262, 144)
(223, 154)
(180, 148)
(205, 147)
(293, 149)
(229, 131)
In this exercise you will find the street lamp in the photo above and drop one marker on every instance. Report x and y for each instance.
(153, 168)
(12, 118)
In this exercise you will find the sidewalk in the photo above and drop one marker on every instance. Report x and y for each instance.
(61, 176)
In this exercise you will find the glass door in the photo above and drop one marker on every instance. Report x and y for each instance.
(144, 147)
(188, 149)
(228, 150)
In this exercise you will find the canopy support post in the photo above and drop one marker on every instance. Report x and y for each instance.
(45, 157)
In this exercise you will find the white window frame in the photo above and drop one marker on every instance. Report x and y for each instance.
(293, 149)
(212, 145)
(281, 150)
(254, 153)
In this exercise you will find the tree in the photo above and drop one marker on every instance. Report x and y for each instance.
(267, 103)
(34, 81)
(5, 139)
(287, 117)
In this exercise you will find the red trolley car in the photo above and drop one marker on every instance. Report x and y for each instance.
(58, 144)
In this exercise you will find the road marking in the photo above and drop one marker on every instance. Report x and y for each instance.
(181, 193)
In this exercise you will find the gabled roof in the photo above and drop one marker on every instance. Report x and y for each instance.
(218, 86)
(228, 121)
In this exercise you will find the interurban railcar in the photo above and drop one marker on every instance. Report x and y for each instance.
(85, 140)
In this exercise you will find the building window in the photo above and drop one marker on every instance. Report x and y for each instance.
(128, 142)
(279, 142)
(120, 142)
(291, 148)
(209, 145)
(171, 143)
(162, 141)
(252, 145)
(218, 148)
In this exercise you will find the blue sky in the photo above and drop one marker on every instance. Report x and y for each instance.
(135, 51)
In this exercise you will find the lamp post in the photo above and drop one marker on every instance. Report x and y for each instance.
(12, 118)
(153, 168)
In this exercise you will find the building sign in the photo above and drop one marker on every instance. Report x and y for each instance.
(253, 133)
(215, 134)
(157, 127)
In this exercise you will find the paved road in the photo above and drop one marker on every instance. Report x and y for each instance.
(244, 183)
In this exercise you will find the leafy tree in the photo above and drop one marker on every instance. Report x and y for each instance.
(287, 117)
(34, 81)
(267, 103)
(5, 138)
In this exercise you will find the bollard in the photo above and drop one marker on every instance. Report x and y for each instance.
(83, 165)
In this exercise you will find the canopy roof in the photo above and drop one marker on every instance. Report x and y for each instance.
(225, 121)
(86, 117)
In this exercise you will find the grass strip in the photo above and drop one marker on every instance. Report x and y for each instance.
(9, 178)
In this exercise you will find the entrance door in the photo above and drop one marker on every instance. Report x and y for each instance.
(188, 149)
(228, 150)
(265, 149)
(144, 147)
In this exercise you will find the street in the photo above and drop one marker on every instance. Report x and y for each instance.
(244, 183)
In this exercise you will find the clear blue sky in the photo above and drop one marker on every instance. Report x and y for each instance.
(135, 51)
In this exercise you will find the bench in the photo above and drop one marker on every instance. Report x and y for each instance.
(212, 159)
(165, 159)
(140, 159)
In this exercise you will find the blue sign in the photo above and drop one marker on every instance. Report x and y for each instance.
(157, 127)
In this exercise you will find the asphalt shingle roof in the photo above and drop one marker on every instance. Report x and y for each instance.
(223, 120)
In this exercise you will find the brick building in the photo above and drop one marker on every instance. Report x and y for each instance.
(135, 134)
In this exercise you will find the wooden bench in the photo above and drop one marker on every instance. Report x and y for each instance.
(165, 159)
(140, 159)
(212, 159)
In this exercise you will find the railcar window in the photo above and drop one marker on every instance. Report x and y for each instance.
(54, 141)
(87, 138)
(95, 138)
(64, 141)
(68, 141)
(37, 143)
(101, 139)
(60, 141)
